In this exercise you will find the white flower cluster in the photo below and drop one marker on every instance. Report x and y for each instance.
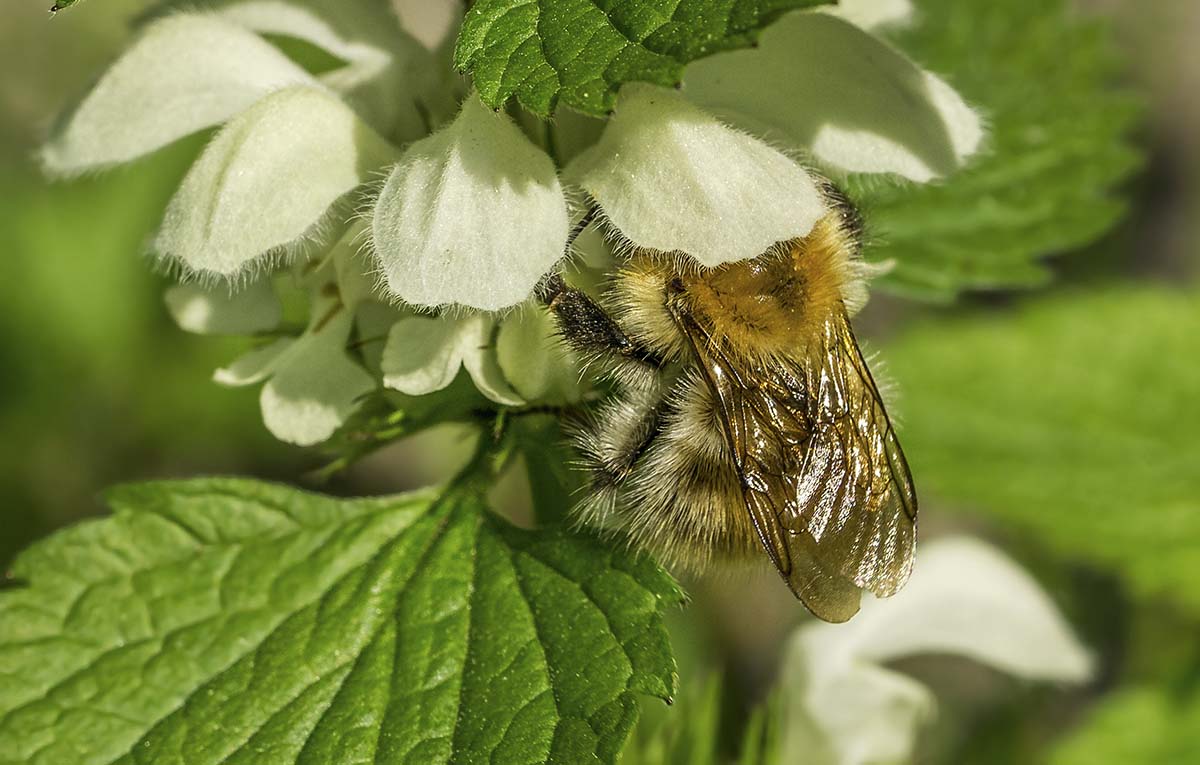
(474, 207)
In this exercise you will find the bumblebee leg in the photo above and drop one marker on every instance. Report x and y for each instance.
(583, 323)
(586, 326)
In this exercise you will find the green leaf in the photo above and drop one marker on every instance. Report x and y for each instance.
(226, 621)
(1058, 147)
(1074, 421)
(1143, 726)
(582, 51)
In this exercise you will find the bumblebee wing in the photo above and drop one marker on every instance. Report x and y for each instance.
(854, 491)
(756, 429)
(823, 476)
(820, 587)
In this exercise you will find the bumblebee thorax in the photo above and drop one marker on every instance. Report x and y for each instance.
(776, 302)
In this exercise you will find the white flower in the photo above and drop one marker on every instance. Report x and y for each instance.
(183, 74)
(842, 707)
(669, 175)
(311, 383)
(472, 215)
(280, 174)
(821, 85)
(268, 179)
(293, 148)
(672, 178)
(387, 76)
(424, 355)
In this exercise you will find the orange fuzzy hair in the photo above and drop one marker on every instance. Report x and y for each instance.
(764, 307)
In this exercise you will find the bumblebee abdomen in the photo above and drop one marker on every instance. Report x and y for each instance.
(680, 496)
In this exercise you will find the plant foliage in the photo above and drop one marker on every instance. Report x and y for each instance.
(580, 52)
(225, 621)
(1069, 420)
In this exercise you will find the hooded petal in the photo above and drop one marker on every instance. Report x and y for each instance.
(315, 385)
(384, 66)
(965, 598)
(672, 178)
(221, 311)
(267, 180)
(472, 215)
(855, 103)
(183, 74)
(424, 355)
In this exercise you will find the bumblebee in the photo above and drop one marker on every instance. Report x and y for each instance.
(744, 416)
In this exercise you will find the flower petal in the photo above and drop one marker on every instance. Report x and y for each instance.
(478, 353)
(254, 366)
(534, 360)
(964, 598)
(220, 311)
(315, 385)
(267, 180)
(183, 74)
(870, 715)
(421, 355)
(352, 30)
(384, 65)
(967, 598)
(857, 104)
(873, 14)
(424, 355)
(472, 215)
(672, 178)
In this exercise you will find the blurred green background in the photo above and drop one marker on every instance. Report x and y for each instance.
(1063, 423)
